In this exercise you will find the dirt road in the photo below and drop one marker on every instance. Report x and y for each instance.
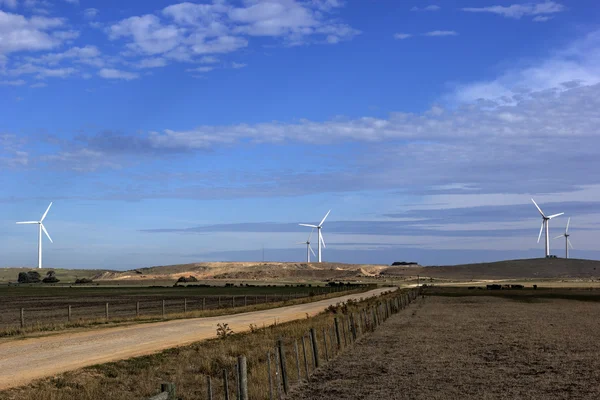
(471, 348)
(22, 361)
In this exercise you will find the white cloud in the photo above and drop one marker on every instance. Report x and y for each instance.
(541, 18)
(441, 33)
(91, 13)
(221, 44)
(577, 64)
(89, 55)
(402, 36)
(427, 8)
(155, 62)
(201, 69)
(41, 72)
(111, 73)
(19, 82)
(518, 11)
(209, 60)
(72, 1)
(38, 85)
(238, 65)
(28, 34)
(149, 35)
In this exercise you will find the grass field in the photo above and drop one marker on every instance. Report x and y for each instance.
(475, 345)
(48, 305)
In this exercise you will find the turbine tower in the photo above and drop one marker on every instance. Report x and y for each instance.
(308, 248)
(318, 228)
(567, 241)
(41, 228)
(545, 220)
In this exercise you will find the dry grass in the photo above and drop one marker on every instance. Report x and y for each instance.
(188, 366)
(119, 321)
(473, 347)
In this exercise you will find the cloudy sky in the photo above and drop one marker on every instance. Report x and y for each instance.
(170, 132)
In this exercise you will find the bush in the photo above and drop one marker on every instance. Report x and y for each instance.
(51, 277)
(190, 278)
(83, 280)
(29, 277)
(396, 263)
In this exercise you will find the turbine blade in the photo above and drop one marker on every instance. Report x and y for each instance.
(568, 222)
(46, 213)
(46, 232)
(300, 242)
(322, 240)
(325, 217)
(569, 242)
(310, 235)
(555, 215)
(538, 207)
(311, 250)
(541, 230)
(310, 226)
(558, 237)
(28, 222)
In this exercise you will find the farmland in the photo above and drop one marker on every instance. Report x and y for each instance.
(45, 305)
(460, 345)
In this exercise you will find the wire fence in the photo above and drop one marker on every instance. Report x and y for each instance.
(292, 361)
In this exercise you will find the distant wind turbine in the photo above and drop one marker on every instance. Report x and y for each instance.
(567, 241)
(41, 228)
(318, 227)
(308, 248)
(545, 220)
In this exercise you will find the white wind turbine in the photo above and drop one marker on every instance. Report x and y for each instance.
(567, 241)
(308, 248)
(545, 220)
(318, 227)
(41, 228)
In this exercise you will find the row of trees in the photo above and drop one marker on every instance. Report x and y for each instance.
(35, 277)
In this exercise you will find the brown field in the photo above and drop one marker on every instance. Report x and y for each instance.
(476, 347)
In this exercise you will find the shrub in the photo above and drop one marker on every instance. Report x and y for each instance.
(29, 277)
(83, 280)
(223, 331)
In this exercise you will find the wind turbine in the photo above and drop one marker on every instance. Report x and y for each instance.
(41, 228)
(318, 228)
(308, 248)
(567, 241)
(545, 220)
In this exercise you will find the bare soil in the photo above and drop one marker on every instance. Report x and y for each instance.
(472, 348)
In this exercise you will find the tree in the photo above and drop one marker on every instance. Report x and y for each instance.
(29, 277)
(51, 277)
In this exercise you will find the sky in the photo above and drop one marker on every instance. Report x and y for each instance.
(173, 132)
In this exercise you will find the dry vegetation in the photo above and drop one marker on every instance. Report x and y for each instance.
(188, 366)
(475, 347)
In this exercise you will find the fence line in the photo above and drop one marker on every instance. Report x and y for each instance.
(288, 370)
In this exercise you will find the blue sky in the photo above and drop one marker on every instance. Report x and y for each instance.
(170, 132)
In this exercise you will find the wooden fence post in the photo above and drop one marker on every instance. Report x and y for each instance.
(163, 308)
(297, 360)
(106, 311)
(226, 384)
(277, 373)
(233, 302)
(22, 318)
(325, 341)
(269, 372)
(245, 301)
(305, 358)
(137, 308)
(313, 338)
(284, 376)
(69, 314)
(169, 388)
(209, 395)
(203, 303)
(344, 331)
(243, 377)
(184, 306)
(337, 333)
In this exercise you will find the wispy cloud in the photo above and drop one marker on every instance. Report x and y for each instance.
(238, 65)
(427, 8)
(402, 36)
(111, 73)
(441, 33)
(518, 11)
(17, 82)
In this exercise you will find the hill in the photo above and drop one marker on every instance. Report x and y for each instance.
(535, 268)
(65, 275)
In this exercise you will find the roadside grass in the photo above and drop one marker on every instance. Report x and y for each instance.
(188, 366)
(39, 327)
